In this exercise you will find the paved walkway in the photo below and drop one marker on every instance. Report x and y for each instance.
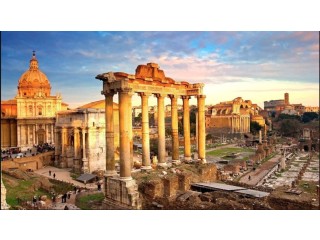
(260, 172)
(64, 175)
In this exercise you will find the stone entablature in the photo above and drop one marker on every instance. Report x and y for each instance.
(148, 79)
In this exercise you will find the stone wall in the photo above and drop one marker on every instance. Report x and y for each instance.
(33, 163)
(177, 180)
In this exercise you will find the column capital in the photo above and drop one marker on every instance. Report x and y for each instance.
(173, 96)
(160, 95)
(185, 97)
(143, 94)
(201, 96)
(125, 90)
(76, 129)
(108, 93)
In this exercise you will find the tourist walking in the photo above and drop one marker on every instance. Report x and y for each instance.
(69, 195)
(99, 186)
(49, 172)
(249, 177)
(75, 189)
(54, 175)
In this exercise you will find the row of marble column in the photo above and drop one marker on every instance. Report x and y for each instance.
(31, 130)
(240, 124)
(125, 125)
(62, 142)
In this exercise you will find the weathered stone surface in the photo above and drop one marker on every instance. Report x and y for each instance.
(4, 205)
(122, 194)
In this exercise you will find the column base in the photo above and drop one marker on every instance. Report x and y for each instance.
(187, 159)
(110, 173)
(176, 162)
(125, 178)
(162, 165)
(122, 194)
(85, 168)
(146, 168)
(203, 161)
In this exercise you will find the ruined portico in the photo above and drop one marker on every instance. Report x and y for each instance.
(148, 80)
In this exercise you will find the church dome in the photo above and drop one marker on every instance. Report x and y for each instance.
(33, 82)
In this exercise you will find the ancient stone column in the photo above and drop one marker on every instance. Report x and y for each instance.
(110, 161)
(34, 134)
(27, 134)
(85, 167)
(186, 128)
(63, 141)
(52, 138)
(125, 164)
(130, 129)
(76, 143)
(161, 131)
(57, 147)
(19, 135)
(145, 132)
(201, 128)
(174, 124)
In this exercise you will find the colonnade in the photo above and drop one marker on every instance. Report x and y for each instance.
(125, 124)
(240, 124)
(79, 144)
(28, 134)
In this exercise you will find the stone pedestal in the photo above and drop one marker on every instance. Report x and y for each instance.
(121, 194)
(76, 165)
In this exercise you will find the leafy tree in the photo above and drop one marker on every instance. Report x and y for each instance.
(255, 127)
(283, 116)
(309, 116)
(290, 127)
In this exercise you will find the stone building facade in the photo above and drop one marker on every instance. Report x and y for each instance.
(29, 118)
(80, 138)
(233, 116)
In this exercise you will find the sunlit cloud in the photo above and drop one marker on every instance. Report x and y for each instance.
(234, 62)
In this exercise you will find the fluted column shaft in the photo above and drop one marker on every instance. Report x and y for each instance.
(186, 128)
(125, 165)
(76, 143)
(63, 141)
(161, 131)
(85, 167)
(145, 132)
(109, 128)
(201, 128)
(130, 129)
(174, 125)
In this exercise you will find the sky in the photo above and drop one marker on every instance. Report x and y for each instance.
(258, 66)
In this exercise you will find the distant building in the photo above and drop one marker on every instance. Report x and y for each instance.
(29, 118)
(80, 137)
(284, 106)
(233, 116)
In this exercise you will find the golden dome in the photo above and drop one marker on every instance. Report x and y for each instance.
(34, 82)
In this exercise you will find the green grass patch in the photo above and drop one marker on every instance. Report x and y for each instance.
(61, 187)
(86, 202)
(225, 151)
(22, 189)
(307, 186)
(74, 176)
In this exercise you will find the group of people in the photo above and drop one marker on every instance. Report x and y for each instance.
(65, 196)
